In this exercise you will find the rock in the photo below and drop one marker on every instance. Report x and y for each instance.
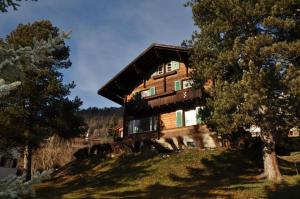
(208, 141)
(174, 143)
(162, 146)
(188, 141)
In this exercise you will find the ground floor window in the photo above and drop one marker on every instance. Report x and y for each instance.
(190, 117)
(142, 125)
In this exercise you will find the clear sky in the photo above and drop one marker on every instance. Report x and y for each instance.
(106, 35)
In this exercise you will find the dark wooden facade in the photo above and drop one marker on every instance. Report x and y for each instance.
(164, 69)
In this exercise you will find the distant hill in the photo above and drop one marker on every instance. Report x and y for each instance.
(100, 119)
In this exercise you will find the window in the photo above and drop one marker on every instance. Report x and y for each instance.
(142, 125)
(177, 85)
(169, 67)
(160, 70)
(190, 117)
(187, 83)
(179, 121)
(149, 92)
(145, 93)
(173, 65)
(193, 117)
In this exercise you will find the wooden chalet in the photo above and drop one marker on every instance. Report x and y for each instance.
(156, 92)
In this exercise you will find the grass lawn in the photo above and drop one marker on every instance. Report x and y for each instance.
(193, 173)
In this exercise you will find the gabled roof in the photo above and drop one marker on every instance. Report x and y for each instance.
(133, 74)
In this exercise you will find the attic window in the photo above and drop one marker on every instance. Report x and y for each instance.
(160, 70)
(169, 67)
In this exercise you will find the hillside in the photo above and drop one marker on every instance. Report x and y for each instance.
(192, 173)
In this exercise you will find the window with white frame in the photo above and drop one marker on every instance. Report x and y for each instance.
(169, 67)
(160, 70)
(187, 83)
(145, 93)
(190, 117)
(149, 92)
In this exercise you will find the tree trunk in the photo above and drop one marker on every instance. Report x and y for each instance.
(27, 162)
(271, 168)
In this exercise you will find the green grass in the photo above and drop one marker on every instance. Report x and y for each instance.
(192, 173)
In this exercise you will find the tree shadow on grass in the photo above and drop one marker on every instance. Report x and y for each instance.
(284, 190)
(222, 172)
(123, 170)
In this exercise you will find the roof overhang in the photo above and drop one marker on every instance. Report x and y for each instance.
(133, 74)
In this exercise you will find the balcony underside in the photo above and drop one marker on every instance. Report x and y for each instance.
(168, 101)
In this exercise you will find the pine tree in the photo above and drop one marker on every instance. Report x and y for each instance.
(5, 4)
(41, 105)
(251, 51)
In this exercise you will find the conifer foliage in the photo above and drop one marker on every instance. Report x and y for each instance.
(39, 107)
(251, 51)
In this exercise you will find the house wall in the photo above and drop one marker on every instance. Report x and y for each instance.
(159, 83)
(168, 120)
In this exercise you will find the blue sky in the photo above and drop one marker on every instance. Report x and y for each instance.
(106, 35)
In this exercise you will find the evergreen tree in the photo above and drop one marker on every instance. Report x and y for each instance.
(5, 4)
(251, 51)
(41, 102)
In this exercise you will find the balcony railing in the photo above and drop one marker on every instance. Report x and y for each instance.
(165, 99)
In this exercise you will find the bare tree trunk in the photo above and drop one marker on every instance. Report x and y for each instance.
(27, 162)
(271, 168)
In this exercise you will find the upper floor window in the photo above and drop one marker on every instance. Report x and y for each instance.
(171, 66)
(145, 93)
(160, 70)
(187, 83)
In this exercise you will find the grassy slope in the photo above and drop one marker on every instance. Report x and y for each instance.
(189, 174)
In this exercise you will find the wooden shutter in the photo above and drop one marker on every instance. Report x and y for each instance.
(198, 116)
(174, 65)
(177, 85)
(179, 118)
(152, 91)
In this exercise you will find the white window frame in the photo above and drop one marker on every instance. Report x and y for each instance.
(187, 83)
(146, 92)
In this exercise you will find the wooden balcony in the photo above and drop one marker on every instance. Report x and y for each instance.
(164, 100)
